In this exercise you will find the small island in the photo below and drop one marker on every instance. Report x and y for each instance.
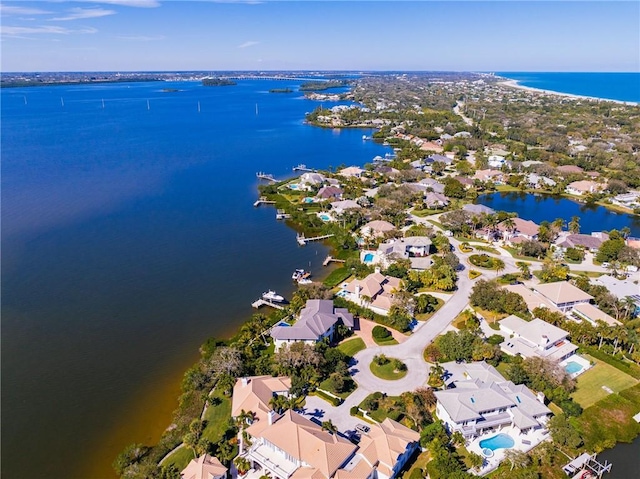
(281, 90)
(322, 85)
(217, 82)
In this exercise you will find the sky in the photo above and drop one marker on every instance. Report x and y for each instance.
(178, 35)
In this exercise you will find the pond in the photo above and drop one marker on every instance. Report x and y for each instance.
(538, 208)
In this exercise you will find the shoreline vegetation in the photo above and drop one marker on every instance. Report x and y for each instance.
(218, 82)
(209, 383)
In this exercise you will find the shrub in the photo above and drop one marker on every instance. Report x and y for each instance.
(416, 474)
(354, 411)
(473, 274)
(380, 332)
(495, 339)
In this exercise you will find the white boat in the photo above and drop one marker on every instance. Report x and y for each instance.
(301, 276)
(304, 281)
(272, 296)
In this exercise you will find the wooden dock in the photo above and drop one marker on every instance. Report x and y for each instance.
(264, 302)
(303, 241)
(263, 201)
(282, 215)
(329, 259)
(266, 176)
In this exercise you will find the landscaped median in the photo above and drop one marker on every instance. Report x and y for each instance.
(485, 261)
(387, 368)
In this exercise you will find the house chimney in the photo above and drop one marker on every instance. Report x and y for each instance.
(357, 292)
(271, 417)
(377, 269)
(245, 381)
(540, 397)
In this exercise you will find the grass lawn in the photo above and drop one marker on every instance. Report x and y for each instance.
(490, 316)
(439, 225)
(514, 253)
(503, 368)
(337, 276)
(420, 463)
(216, 417)
(423, 213)
(352, 346)
(590, 383)
(180, 458)
(487, 249)
(390, 341)
(610, 420)
(387, 371)
(344, 394)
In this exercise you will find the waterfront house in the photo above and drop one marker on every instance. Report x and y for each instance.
(562, 294)
(535, 338)
(478, 209)
(255, 394)
(374, 292)
(628, 200)
(588, 242)
(522, 228)
(317, 320)
(308, 181)
(341, 206)
(431, 146)
(293, 447)
(204, 467)
(376, 229)
(488, 175)
(583, 187)
(466, 181)
(537, 181)
(351, 172)
(414, 248)
(479, 399)
(438, 158)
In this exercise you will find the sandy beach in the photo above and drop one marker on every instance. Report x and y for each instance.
(515, 84)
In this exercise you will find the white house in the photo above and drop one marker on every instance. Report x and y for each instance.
(374, 292)
(481, 399)
(562, 294)
(317, 321)
(535, 338)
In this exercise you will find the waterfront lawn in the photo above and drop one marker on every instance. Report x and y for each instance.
(610, 420)
(387, 371)
(589, 390)
(180, 458)
(352, 346)
(337, 276)
(216, 416)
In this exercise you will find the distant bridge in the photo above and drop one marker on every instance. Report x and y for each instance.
(277, 77)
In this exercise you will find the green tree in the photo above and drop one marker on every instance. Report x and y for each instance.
(574, 225)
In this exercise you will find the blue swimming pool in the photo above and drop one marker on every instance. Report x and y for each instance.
(573, 367)
(294, 186)
(368, 258)
(308, 200)
(324, 217)
(499, 441)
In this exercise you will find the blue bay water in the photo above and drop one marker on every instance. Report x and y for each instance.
(540, 208)
(129, 237)
(612, 86)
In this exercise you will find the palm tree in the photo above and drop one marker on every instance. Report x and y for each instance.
(509, 224)
(518, 459)
(558, 224)
(329, 426)
(242, 464)
(524, 269)
(574, 225)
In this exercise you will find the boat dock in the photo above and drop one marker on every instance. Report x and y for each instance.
(303, 167)
(263, 201)
(266, 176)
(264, 302)
(303, 241)
(281, 215)
(329, 259)
(586, 466)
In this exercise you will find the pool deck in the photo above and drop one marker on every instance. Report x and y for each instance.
(523, 442)
(576, 358)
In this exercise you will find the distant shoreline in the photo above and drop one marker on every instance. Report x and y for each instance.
(516, 84)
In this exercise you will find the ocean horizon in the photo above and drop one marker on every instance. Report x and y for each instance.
(619, 86)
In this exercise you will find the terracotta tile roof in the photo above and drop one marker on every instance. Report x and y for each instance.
(306, 441)
(255, 393)
(205, 467)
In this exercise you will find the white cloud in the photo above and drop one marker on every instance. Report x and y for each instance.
(141, 38)
(83, 13)
(13, 10)
(248, 44)
(44, 29)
